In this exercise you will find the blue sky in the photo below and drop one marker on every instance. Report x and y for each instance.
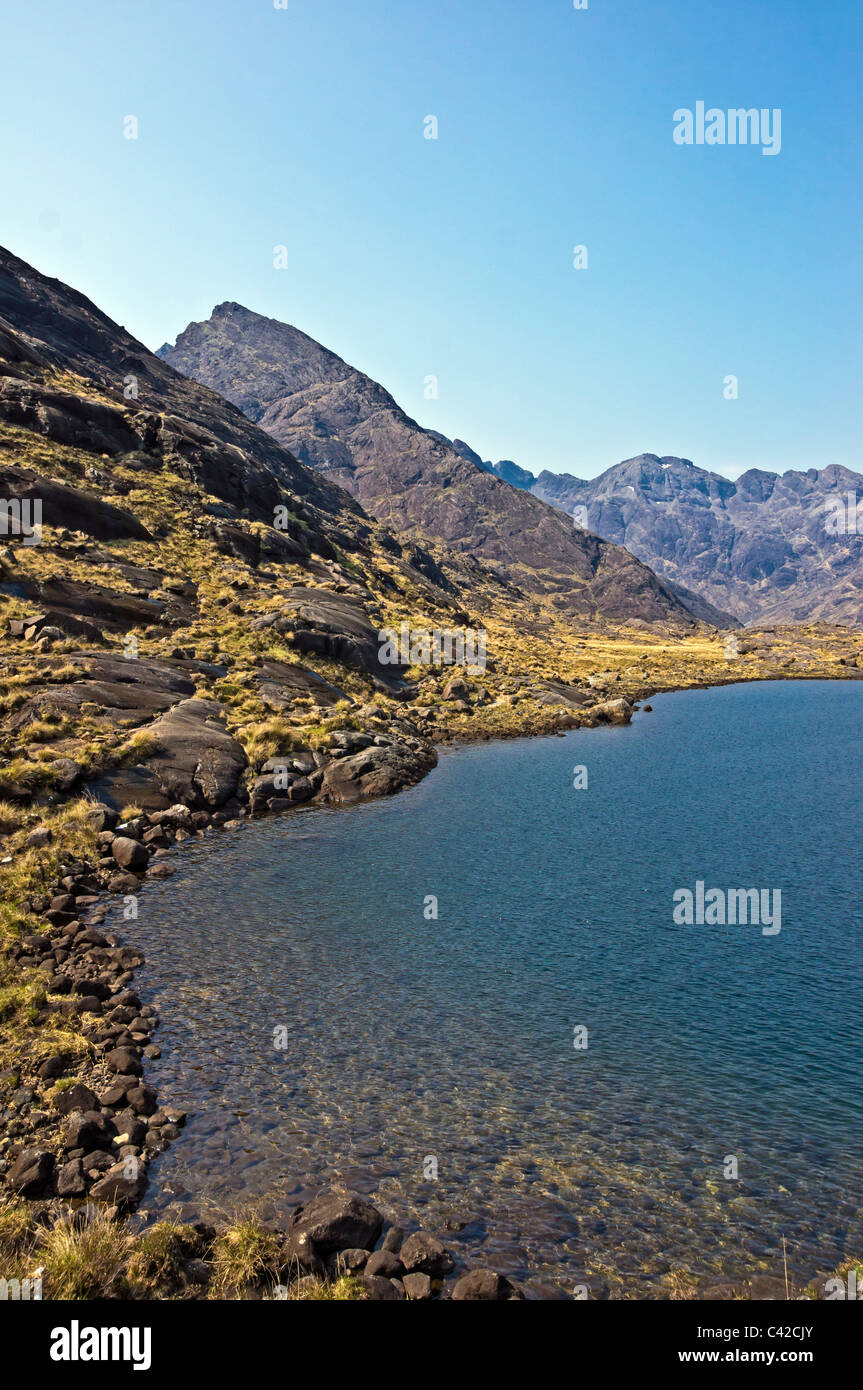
(453, 257)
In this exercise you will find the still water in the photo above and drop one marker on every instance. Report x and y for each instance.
(415, 1045)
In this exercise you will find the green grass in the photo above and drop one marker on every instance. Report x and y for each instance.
(245, 1255)
(86, 1263)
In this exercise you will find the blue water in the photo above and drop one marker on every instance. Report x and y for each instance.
(452, 1039)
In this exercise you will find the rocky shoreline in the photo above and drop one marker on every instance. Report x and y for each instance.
(78, 1135)
(78, 1132)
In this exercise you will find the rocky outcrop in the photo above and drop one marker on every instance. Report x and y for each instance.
(64, 506)
(336, 626)
(377, 771)
(280, 684)
(123, 691)
(170, 420)
(80, 609)
(196, 760)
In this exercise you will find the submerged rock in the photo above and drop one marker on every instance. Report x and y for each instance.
(486, 1286)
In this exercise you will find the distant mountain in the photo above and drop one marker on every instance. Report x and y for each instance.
(758, 548)
(424, 486)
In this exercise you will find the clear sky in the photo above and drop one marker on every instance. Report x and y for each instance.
(410, 257)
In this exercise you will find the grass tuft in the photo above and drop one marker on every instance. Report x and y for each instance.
(244, 1255)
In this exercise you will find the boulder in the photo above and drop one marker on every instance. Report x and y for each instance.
(124, 1061)
(376, 772)
(77, 1097)
(122, 1185)
(130, 1128)
(350, 1261)
(423, 1254)
(88, 1131)
(299, 1254)
(70, 1179)
(123, 883)
(484, 1285)
(102, 817)
(394, 1239)
(613, 711)
(418, 1287)
(386, 1264)
(456, 689)
(381, 1290)
(54, 1067)
(129, 855)
(142, 1099)
(337, 1221)
(31, 1172)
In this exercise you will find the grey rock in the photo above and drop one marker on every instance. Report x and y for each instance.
(424, 1254)
(484, 1285)
(381, 1290)
(30, 1172)
(386, 1264)
(129, 854)
(77, 1097)
(337, 1221)
(418, 1287)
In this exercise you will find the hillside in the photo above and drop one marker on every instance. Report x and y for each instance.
(346, 426)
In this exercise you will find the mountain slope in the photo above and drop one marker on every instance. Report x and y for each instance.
(759, 548)
(340, 422)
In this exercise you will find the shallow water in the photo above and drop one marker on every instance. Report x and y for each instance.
(410, 1039)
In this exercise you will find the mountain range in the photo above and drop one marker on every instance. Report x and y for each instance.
(347, 427)
(753, 550)
(762, 548)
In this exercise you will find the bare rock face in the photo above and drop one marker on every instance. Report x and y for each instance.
(281, 683)
(202, 437)
(756, 548)
(67, 506)
(337, 626)
(198, 762)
